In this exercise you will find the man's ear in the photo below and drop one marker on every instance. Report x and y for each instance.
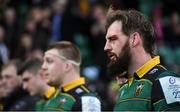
(135, 39)
(68, 66)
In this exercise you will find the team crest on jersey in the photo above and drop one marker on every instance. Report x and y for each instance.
(62, 101)
(138, 89)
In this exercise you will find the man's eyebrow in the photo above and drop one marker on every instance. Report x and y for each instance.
(112, 37)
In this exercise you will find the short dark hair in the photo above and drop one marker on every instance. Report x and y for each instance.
(15, 62)
(31, 65)
(134, 21)
(67, 49)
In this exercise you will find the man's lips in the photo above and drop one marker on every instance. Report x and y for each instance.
(111, 56)
(45, 73)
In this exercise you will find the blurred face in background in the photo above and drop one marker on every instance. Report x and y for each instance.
(10, 16)
(26, 41)
(32, 82)
(2, 89)
(59, 6)
(10, 78)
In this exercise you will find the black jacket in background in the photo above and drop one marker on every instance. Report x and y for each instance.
(19, 100)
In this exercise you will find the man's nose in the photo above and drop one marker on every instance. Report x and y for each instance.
(107, 47)
(24, 86)
(44, 66)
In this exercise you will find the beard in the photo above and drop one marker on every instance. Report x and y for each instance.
(120, 66)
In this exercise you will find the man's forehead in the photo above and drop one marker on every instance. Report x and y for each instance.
(10, 70)
(52, 52)
(115, 27)
(27, 74)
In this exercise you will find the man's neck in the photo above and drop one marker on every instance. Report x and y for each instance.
(69, 77)
(138, 60)
(45, 88)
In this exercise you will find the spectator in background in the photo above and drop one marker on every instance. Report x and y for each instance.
(158, 24)
(172, 31)
(11, 29)
(58, 17)
(37, 53)
(4, 52)
(38, 26)
(24, 47)
(16, 98)
(98, 83)
(98, 34)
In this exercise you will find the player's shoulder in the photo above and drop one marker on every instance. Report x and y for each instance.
(170, 84)
(168, 73)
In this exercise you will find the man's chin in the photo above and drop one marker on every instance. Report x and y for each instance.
(47, 81)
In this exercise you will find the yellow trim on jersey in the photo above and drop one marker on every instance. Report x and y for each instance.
(162, 67)
(54, 109)
(73, 84)
(130, 81)
(148, 66)
(142, 99)
(85, 89)
(50, 92)
(158, 101)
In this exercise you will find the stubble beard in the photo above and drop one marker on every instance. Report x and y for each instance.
(120, 66)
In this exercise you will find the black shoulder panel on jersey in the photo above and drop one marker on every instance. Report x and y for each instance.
(153, 74)
(77, 93)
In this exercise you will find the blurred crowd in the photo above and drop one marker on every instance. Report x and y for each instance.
(27, 27)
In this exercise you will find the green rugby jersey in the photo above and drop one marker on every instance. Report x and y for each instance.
(151, 88)
(55, 101)
(74, 96)
(85, 100)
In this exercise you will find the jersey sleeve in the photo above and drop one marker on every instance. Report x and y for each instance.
(87, 104)
(166, 96)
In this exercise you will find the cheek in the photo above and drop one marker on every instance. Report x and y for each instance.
(119, 49)
(32, 83)
(56, 68)
(12, 83)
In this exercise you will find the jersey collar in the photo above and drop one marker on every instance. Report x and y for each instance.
(50, 93)
(130, 81)
(73, 84)
(148, 66)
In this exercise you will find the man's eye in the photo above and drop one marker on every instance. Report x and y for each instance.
(7, 76)
(112, 39)
(49, 61)
(25, 80)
